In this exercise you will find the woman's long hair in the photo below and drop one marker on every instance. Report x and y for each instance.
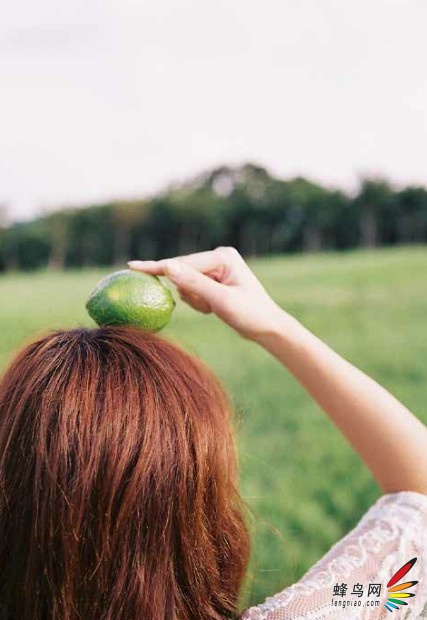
(118, 483)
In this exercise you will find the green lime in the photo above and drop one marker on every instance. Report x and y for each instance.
(129, 297)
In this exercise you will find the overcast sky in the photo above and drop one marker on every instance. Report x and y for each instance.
(115, 98)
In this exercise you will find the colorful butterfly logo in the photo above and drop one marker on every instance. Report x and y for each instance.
(396, 593)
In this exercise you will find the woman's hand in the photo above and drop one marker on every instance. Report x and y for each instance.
(221, 282)
(388, 437)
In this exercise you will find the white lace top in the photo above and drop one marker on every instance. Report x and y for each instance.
(344, 583)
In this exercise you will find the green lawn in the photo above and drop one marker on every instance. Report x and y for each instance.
(297, 473)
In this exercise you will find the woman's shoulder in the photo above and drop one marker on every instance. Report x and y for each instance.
(354, 573)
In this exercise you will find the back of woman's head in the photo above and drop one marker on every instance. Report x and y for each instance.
(118, 483)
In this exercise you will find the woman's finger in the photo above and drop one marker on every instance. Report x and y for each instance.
(156, 268)
(195, 302)
(213, 261)
(190, 281)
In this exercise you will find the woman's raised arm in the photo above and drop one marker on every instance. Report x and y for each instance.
(387, 436)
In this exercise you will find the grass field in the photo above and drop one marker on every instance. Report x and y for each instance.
(297, 473)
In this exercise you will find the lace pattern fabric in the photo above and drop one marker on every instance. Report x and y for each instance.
(393, 531)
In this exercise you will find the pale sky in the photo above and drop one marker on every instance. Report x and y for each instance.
(115, 98)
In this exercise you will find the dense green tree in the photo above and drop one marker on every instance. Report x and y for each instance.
(376, 203)
(25, 246)
(90, 237)
(411, 215)
(243, 206)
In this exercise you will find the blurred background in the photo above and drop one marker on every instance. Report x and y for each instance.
(294, 131)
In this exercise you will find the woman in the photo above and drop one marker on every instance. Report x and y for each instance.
(118, 496)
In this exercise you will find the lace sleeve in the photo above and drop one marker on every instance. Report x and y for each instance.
(344, 583)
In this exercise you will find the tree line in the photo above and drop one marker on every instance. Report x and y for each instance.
(245, 207)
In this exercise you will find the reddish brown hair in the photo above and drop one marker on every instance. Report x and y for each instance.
(118, 483)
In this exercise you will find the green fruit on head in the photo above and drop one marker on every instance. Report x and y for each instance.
(129, 297)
